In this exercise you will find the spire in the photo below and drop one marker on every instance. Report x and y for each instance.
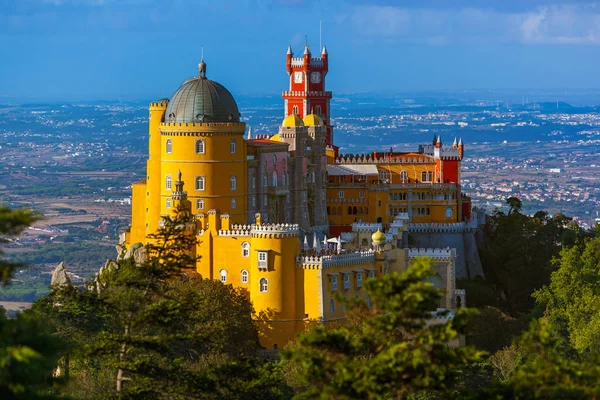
(460, 142)
(202, 68)
(289, 50)
(324, 52)
(306, 50)
(434, 141)
(249, 132)
(438, 144)
(454, 144)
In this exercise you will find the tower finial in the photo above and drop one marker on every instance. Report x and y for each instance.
(250, 132)
(202, 66)
(289, 49)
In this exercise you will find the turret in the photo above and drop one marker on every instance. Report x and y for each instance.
(438, 144)
(307, 56)
(454, 145)
(288, 60)
(324, 57)
(461, 149)
(434, 141)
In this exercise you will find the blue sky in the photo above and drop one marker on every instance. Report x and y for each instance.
(109, 49)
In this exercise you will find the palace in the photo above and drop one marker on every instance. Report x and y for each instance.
(264, 206)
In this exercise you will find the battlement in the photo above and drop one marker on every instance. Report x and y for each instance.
(275, 230)
(454, 227)
(368, 159)
(311, 93)
(335, 260)
(366, 227)
(314, 62)
(236, 230)
(437, 254)
(162, 104)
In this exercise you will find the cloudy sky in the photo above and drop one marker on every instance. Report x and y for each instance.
(109, 49)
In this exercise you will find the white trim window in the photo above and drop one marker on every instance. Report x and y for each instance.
(168, 182)
(200, 183)
(334, 283)
(263, 260)
(233, 203)
(244, 276)
(359, 279)
(245, 249)
(200, 146)
(403, 176)
(341, 194)
(200, 204)
(449, 212)
(223, 275)
(168, 203)
(263, 285)
(232, 146)
(232, 182)
(283, 181)
(346, 281)
(169, 146)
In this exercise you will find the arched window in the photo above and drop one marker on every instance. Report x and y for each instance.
(168, 203)
(354, 210)
(274, 178)
(313, 177)
(403, 176)
(169, 146)
(328, 210)
(246, 249)
(263, 285)
(295, 110)
(244, 276)
(253, 201)
(331, 306)
(168, 182)
(232, 182)
(200, 146)
(283, 181)
(232, 146)
(318, 110)
(233, 203)
(200, 204)
(223, 275)
(200, 183)
(274, 159)
(382, 175)
(265, 180)
(449, 212)
(349, 210)
(253, 182)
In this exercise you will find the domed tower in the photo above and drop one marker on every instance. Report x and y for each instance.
(202, 136)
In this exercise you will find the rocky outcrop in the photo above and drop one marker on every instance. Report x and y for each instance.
(60, 277)
(138, 252)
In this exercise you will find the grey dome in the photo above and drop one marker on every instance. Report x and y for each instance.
(202, 100)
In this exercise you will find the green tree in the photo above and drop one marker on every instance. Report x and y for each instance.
(12, 222)
(393, 352)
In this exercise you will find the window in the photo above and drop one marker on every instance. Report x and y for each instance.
(361, 194)
(382, 175)
(169, 182)
(449, 212)
(341, 194)
(274, 159)
(283, 179)
(404, 176)
(169, 146)
(264, 285)
(274, 178)
(168, 203)
(253, 201)
(200, 183)
(200, 146)
(346, 281)
(359, 280)
(313, 177)
(246, 249)
(200, 204)
(318, 110)
(331, 306)
(265, 180)
(223, 274)
(232, 146)
(265, 200)
(334, 283)
(262, 260)
(371, 274)
(244, 276)
(233, 203)
(232, 182)
(426, 176)
(295, 110)
(253, 182)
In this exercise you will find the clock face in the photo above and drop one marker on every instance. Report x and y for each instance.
(298, 77)
(315, 77)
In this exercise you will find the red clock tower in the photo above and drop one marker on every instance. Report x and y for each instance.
(306, 94)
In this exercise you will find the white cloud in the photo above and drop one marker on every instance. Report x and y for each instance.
(556, 24)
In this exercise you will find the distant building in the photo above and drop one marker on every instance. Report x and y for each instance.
(556, 170)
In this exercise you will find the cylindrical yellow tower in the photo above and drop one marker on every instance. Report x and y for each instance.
(273, 283)
(202, 137)
(157, 114)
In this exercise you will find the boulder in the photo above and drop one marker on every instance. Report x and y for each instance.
(60, 277)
